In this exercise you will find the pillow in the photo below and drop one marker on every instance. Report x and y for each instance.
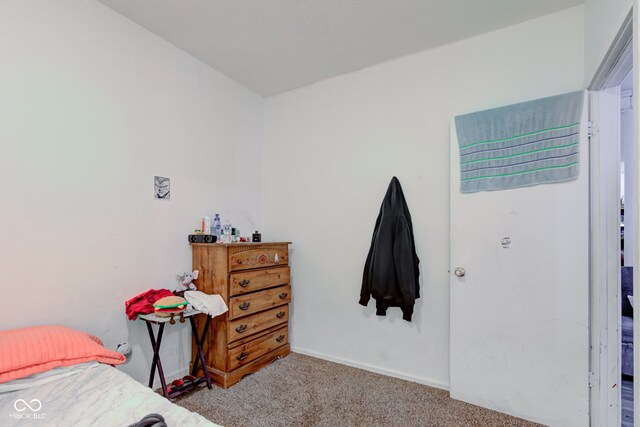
(38, 349)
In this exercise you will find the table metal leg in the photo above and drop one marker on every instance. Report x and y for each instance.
(156, 357)
(199, 342)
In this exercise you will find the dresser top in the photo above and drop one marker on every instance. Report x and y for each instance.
(240, 244)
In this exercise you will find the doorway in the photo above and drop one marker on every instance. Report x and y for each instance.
(614, 200)
(627, 246)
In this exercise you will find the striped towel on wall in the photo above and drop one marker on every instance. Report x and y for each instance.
(519, 145)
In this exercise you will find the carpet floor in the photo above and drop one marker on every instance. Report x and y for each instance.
(305, 391)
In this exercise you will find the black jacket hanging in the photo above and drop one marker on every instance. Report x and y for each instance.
(391, 271)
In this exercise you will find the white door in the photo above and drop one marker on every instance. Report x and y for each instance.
(520, 314)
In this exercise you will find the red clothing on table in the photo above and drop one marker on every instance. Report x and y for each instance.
(143, 303)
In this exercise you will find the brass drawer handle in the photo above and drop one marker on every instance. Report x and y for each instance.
(240, 329)
(280, 338)
(242, 355)
(280, 315)
(244, 283)
(244, 305)
(283, 295)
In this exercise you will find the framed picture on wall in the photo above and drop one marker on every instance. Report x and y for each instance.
(161, 188)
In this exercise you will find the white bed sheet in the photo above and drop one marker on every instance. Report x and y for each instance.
(90, 394)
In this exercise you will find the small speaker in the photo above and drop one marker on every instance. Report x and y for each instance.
(202, 238)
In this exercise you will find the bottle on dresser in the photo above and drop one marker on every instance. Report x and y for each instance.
(227, 232)
(217, 227)
(206, 225)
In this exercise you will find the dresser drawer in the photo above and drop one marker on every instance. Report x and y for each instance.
(241, 354)
(254, 280)
(258, 258)
(250, 325)
(245, 305)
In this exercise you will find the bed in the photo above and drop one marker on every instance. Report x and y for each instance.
(88, 393)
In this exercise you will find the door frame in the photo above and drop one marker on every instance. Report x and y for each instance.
(604, 242)
(604, 112)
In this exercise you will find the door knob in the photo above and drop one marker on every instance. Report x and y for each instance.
(459, 271)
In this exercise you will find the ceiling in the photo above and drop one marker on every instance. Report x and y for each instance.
(271, 46)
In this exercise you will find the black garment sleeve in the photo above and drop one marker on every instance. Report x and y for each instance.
(365, 290)
(404, 262)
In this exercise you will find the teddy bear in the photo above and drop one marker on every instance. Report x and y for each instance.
(186, 279)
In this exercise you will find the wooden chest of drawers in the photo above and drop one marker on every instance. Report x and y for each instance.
(253, 279)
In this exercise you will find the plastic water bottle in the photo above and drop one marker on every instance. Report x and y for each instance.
(217, 227)
(227, 232)
(206, 228)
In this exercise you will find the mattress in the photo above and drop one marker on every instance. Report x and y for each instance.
(89, 394)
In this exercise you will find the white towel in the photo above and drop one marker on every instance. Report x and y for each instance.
(213, 305)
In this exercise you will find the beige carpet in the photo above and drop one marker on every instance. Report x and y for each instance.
(304, 391)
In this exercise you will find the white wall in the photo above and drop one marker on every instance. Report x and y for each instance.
(92, 106)
(331, 149)
(602, 21)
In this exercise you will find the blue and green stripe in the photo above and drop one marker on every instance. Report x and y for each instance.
(511, 138)
(519, 173)
(526, 153)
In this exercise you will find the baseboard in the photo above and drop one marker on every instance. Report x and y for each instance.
(388, 372)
